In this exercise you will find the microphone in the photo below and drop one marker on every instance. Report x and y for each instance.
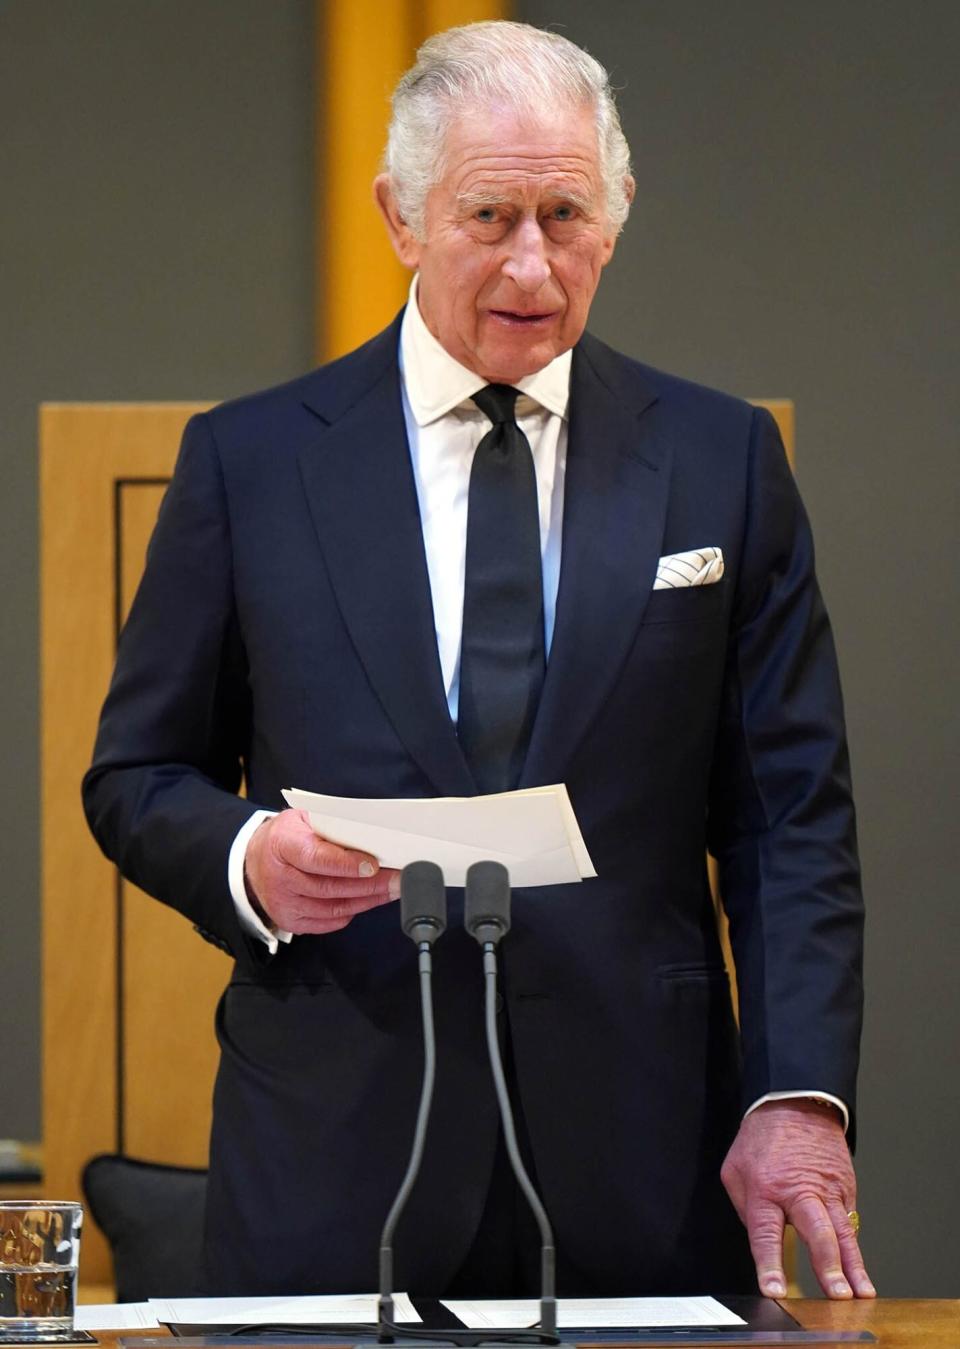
(423, 902)
(423, 916)
(486, 904)
(487, 919)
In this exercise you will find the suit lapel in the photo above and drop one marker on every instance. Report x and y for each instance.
(362, 496)
(615, 498)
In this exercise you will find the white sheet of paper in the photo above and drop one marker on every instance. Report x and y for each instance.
(602, 1311)
(534, 832)
(317, 1309)
(115, 1316)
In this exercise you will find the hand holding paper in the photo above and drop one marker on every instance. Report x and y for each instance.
(313, 868)
(534, 833)
(305, 884)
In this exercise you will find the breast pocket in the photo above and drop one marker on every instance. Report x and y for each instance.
(687, 604)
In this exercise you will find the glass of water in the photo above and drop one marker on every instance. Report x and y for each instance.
(39, 1254)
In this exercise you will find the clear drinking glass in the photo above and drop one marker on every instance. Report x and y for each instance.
(39, 1254)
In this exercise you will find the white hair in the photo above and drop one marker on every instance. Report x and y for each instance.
(496, 63)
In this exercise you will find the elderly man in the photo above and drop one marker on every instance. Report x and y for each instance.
(450, 563)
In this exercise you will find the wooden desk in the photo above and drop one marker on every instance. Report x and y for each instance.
(897, 1323)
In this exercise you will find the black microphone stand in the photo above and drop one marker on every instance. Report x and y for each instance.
(487, 918)
(423, 915)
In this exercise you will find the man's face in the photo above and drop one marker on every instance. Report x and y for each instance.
(516, 237)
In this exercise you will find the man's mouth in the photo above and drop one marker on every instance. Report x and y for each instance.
(516, 318)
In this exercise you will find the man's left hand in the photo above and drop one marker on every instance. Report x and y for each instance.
(790, 1163)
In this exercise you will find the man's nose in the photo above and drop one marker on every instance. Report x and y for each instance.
(526, 263)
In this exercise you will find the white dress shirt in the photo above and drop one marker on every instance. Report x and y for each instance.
(444, 427)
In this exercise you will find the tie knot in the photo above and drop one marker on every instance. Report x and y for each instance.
(497, 401)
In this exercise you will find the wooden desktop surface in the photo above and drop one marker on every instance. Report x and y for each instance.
(898, 1323)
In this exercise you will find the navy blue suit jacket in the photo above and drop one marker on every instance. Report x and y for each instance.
(284, 630)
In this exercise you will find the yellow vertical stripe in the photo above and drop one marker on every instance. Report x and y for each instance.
(362, 49)
(439, 14)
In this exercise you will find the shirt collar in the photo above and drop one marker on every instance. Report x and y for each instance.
(436, 383)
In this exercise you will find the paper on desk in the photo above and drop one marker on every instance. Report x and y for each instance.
(317, 1309)
(115, 1316)
(575, 1312)
(534, 832)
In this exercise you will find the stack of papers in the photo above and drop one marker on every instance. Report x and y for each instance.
(578, 1312)
(115, 1316)
(533, 833)
(320, 1309)
(346, 1308)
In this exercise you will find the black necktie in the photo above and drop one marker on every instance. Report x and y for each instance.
(502, 653)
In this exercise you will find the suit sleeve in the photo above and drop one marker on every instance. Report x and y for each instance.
(781, 821)
(161, 794)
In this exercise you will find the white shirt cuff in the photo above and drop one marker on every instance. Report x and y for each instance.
(250, 921)
(801, 1095)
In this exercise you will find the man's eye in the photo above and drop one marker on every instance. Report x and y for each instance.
(487, 215)
(564, 212)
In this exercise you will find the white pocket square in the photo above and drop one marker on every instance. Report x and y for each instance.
(699, 567)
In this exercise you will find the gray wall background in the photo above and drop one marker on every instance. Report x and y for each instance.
(156, 180)
(795, 234)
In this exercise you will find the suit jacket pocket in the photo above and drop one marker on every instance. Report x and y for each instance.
(686, 604)
(690, 971)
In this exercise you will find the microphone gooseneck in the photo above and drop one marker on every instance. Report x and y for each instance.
(423, 915)
(487, 918)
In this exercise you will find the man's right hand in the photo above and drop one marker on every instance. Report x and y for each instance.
(303, 883)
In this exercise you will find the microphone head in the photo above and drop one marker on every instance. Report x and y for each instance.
(486, 909)
(423, 901)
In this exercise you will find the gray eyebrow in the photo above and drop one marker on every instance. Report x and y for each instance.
(471, 200)
(468, 200)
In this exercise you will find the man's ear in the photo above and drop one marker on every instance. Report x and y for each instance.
(405, 245)
(630, 188)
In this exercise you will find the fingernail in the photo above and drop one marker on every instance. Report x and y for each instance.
(840, 1288)
(367, 869)
(393, 889)
(775, 1287)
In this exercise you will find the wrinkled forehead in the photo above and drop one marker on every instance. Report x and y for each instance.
(487, 144)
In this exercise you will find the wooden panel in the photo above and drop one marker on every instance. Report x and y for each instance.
(169, 1048)
(784, 414)
(137, 503)
(85, 452)
(24, 1189)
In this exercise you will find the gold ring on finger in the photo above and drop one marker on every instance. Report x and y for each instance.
(853, 1218)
